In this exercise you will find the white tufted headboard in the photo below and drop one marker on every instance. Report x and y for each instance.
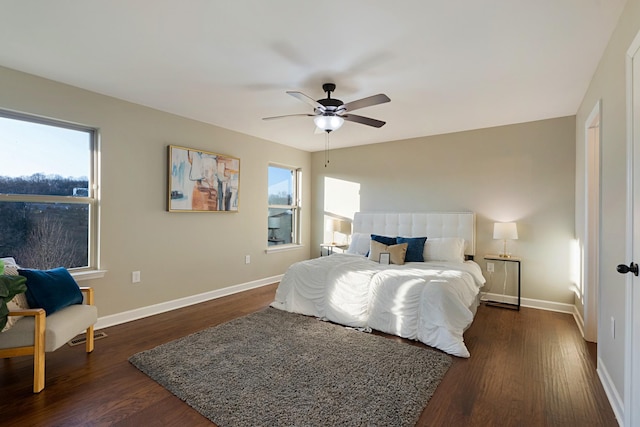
(419, 224)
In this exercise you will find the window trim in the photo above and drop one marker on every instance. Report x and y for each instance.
(296, 207)
(92, 270)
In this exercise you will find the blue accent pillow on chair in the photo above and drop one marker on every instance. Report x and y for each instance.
(52, 289)
(415, 249)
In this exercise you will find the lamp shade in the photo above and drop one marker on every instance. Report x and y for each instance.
(505, 231)
(274, 222)
(344, 227)
(328, 123)
(330, 225)
(338, 226)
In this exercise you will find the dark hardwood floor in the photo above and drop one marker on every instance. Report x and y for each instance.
(527, 368)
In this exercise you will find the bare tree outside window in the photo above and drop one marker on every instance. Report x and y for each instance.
(49, 245)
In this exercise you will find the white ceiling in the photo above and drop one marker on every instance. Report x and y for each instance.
(446, 65)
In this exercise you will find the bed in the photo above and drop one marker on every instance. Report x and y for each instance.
(431, 298)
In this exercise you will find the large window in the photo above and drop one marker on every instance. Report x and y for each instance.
(284, 206)
(48, 208)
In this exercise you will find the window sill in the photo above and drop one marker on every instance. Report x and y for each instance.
(283, 248)
(88, 274)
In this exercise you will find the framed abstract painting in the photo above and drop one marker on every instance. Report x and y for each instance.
(202, 181)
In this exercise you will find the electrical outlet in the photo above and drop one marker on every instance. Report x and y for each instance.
(490, 267)
(135, 277)
(247, 259)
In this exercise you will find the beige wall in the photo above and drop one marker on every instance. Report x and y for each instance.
(523, 173)
(178, 254)
(608, 84)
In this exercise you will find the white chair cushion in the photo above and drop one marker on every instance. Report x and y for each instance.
(61, 326)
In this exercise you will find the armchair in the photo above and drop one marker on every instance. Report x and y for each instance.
(37, 333)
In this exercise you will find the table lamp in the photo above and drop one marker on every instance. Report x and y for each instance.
(274, 224)
(505, 231)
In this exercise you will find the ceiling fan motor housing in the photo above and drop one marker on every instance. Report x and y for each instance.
(330, 104)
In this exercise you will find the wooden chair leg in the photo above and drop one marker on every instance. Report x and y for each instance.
(89, 341)
(88, 296)
(38, 352)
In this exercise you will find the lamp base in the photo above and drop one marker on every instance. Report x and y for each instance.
(504, 253)
(272, 233)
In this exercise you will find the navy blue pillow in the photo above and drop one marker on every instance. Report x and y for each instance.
(385, 240)
(415, 248)
(52, 289)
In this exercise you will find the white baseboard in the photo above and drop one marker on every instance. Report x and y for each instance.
(139, 313)
(541, 305)
(616, 402)
(577, 316)
(531, 303)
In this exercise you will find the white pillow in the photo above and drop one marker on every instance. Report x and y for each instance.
(9, 261)
(444, 249)
(359, 244)
(19, 302)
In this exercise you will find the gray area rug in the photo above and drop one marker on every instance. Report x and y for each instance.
(274, 368)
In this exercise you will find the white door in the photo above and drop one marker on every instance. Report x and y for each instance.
(632, 339)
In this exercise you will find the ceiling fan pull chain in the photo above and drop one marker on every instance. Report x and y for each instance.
(326, 150)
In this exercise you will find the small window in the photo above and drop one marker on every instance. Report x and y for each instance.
(284, 206)
(47, 197)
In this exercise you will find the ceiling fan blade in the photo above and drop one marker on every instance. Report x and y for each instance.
(289, 115)
(380, 98)
(364, 120)
(307, 99)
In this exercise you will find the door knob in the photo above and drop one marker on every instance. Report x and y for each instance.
(623, 269)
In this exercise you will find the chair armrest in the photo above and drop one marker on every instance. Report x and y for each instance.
(27, 312)
(88, 294)
(40, 318)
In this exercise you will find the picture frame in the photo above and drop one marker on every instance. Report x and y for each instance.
(385, 258)
(202, 181)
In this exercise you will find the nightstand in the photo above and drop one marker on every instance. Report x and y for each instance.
(505, 260)
(330, 248)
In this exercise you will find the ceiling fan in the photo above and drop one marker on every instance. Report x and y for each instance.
(330, 113)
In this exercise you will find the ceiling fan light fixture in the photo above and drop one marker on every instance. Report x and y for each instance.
(328, 123)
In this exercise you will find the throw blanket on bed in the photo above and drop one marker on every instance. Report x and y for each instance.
(426, 301)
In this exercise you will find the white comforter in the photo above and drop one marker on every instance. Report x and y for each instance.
(426, 301)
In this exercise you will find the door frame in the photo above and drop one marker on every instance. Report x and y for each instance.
(632, 306)
(591, 244)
